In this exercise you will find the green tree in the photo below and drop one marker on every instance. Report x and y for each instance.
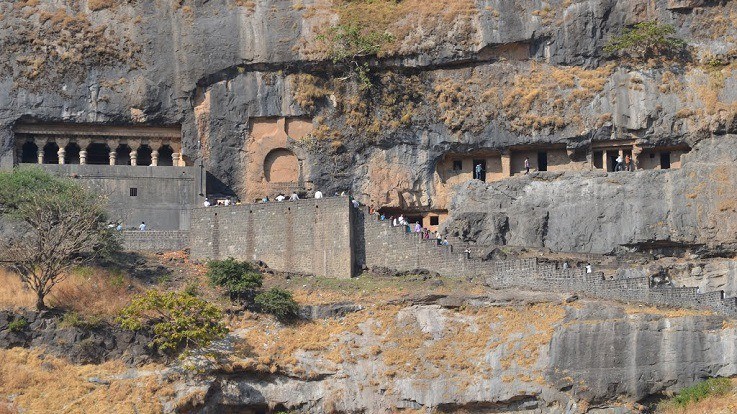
(240, 279)
(647, 40)
(350, 44)
(179, 320)
(58, 225)
(279, 303)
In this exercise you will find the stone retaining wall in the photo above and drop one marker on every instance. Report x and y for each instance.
(155, 240)
(308, 236)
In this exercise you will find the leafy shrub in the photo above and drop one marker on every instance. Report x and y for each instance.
(647, 40)
(277, 302)
(18, 325)
(697, 392)
(179, 321)
(238, 278)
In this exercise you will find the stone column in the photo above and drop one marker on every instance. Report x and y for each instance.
(176, 158)
(134, 145)
(83, 144)
(155, 157)
(112, 155)
(61, 152)
(62, 144)
(507, 163)
(40, 143)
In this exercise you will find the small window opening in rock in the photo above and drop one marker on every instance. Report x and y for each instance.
(165, 153)
(664, 160)
(457, 165)
(29, 154)
(542, 161)
(98, 154)
(434, 220)
(134, 192)
(123, 155)
(72, 153)
(144, 155)
(51, 153)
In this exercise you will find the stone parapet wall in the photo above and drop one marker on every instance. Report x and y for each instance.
(155, 241)
(393, 247)
(306, 236)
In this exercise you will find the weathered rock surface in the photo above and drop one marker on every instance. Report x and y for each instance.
(487, 357)
(216, 66)
(83, 345)
(688, 208)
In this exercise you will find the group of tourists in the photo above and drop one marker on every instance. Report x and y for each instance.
(228, 201)
(425, 233)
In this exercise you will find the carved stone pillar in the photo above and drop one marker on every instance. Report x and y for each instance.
(62, 152)
(62, 144)
(155, 158)
(176, 158)
(83, 144)
(112, 155)
(40, 144)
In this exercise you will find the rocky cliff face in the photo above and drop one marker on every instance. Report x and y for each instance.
(467, 75)
(684, 209)
(500, 353)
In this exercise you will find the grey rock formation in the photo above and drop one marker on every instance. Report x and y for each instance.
(597, 354)
(687, 208)
(241, 59)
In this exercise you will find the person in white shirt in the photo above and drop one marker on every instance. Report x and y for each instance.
(318, 194)
(206, 203)
(227, 202)
(142, 227)
(280, 197)
(294, 197)
(356, 204)
(402, 221)
(588, 268)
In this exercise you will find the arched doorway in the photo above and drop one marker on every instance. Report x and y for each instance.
(29, 153)
(72, 153)
(165, 153)
(98, 154)
(144, 155)
(281, 166)
(123, 155)
(51, 153)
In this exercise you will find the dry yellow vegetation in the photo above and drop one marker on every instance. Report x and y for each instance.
(88, 291)
(45, 384)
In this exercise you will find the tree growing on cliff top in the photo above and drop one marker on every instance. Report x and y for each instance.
(647, 40)
(56, 225)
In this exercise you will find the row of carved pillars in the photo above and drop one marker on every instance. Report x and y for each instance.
(131, 148)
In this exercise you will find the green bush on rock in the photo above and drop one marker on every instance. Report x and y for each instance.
(179, 321)
(647, 40)
(279, 303)
(240, 279)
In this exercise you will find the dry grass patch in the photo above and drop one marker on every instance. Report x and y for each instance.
(88, 291)
(52, 385)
